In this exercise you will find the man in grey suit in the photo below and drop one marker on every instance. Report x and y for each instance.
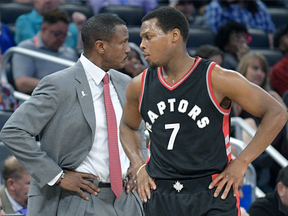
(70, 169)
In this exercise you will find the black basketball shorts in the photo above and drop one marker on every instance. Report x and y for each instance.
(190, 198)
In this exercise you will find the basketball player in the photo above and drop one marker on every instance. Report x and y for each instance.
(185, 103)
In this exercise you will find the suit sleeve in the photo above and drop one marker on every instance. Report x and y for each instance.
(19, 132)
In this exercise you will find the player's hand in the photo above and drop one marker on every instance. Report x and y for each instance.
(132, 185)
(74, 181)
(144, 182)
(232, 175)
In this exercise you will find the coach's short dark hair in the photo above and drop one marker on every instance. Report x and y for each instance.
(169, 18)
(99, 27)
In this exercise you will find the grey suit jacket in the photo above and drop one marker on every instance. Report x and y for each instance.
(66, 123)
(5, 201)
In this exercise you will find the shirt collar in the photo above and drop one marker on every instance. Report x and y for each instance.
(93, 70)
(38, 41)
(15, 205)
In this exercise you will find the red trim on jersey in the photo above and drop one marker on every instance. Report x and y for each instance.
(226, 132)
(148, 158)
(238, 203)
(227, 111)
(142, 88)
(172, 87)
(213, 177)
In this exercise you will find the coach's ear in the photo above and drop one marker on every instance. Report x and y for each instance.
(100, 46)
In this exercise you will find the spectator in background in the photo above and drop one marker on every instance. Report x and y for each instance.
(2, 213)
(7, 100)
(276, 202)
(188, 8)
(147, 5)
(233, 39)
(79, 19)
(254, 67)
(210, 52)
(16, 185)
(279, 72)
(6, 38)
(135, 63)
(253, 14)
(6, 41)
(28, 71)
(199, 6)
(27, 25)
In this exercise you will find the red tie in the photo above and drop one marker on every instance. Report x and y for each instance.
(115, 167)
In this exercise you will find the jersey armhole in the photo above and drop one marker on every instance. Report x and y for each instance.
(143, 78)
(211, 93)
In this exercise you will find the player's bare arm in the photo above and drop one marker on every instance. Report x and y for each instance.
(131, 139)
(232, 86)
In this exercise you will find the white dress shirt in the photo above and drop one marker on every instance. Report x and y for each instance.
(97, 161)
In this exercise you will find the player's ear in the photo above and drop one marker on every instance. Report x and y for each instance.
(175, 34)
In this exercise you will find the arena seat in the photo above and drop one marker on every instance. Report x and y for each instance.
(70, 8)
(272, 56)
(200, 36)
(134, 35)
(132, 15)
(259, 38)
(11, 11)
(279, 16)
(191, 51)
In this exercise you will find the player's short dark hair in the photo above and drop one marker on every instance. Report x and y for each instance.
(55, 15)
(222, 37)
(169, 18)
(99, 27)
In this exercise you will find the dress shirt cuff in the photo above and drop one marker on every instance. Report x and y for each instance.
(54, 180)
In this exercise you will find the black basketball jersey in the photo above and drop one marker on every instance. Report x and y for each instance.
(189, 131)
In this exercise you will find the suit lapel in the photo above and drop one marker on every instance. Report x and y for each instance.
(85, 96)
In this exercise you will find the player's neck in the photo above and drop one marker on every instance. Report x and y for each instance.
(173, 73)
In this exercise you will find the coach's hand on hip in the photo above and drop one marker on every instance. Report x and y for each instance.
(75, 181)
